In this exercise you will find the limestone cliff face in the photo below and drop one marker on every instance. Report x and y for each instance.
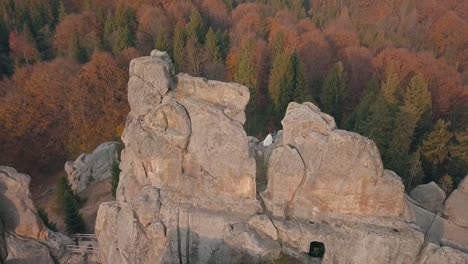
(188, 194)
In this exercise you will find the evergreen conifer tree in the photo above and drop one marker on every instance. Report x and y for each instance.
(459, 148)
(73, 220)
(212, 51)
(179, 44)
(76, 51)
(124, 40)
(390, 87)
(435, 146)
(115, 177)
(334, 93)
(62, 13)
(162, 41)
(196, 27)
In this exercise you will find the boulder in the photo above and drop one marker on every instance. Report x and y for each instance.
(437, 229)
(285, 173)
(23, 236)
(456, 206)
(301, 119)
(92, 167)
(433, 254)
(429, 196)
(149, 81)
(26, 251)
(16, 207)
(343, 170)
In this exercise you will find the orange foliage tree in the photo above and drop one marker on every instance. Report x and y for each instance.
(97, 103)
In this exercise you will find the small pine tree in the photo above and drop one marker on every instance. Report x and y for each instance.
(277, 74)
(62, 13)
(357, 119)
(124, 40)
(115, 177)
(334, 93)
(417, 98)
(435, 146)
(179, 44)
(223, 43)
(64, 187)
(45, 219)
(162, 41)
(196, 27)
(415, 172)
(78, 53)
(73, 220)
(459, 147)
(277, 45)
(390, 87)
(245, 72)
(212, 51)
(292, 84)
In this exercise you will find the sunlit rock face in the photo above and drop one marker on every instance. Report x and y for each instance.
(187, 190)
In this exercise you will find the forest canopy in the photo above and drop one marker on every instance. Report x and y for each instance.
(395, 71)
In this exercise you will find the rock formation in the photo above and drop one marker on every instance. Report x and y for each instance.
(187, 190)
(93, 167)
(429, 196)
(24, 237)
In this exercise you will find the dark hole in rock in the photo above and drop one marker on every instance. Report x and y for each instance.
(395, 230)
(311, 222)
(317, 249)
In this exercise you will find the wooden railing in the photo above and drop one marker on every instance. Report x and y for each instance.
(81, 247)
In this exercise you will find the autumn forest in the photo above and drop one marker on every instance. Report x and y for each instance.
(395, 71)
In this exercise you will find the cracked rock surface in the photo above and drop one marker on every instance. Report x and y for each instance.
(23, 236)
(187, 191)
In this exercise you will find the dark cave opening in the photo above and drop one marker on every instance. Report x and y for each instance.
(317, 249)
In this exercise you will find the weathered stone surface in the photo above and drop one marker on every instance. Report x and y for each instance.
(438, 230)
(26, 251)
(429, 196)
(264, 226)
(171, 122)
(106, 230)
(305, 118)
(433, 254)
(221, 148)
(142, 97)
(23, 236)
(285, 173)
(344, 174)
(232, 98)
(149, 81)
(350, 242)
(16, 207)
(92, 167)
(456, 206)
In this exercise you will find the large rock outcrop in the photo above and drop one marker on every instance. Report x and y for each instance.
(24, 238)
(187, 190)
(342, 171)
(92, 167)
